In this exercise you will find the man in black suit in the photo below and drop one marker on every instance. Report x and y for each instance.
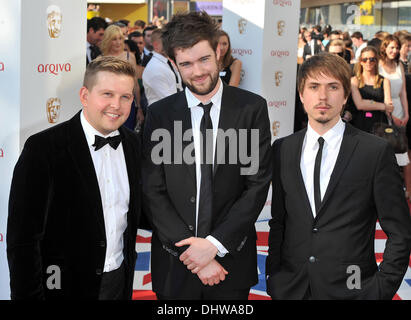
(203, 211)
(331, 182)
(95, 32)
(75, 198)
(148, 46)
(312, 47)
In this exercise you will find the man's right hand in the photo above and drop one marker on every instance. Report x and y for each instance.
(212, 274)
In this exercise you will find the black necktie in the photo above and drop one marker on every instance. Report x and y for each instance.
(317, 169)
(100, 142)
(94, 52)
(205, 208)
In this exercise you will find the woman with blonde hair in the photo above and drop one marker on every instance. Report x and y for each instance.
(392, 69)
(113, 45)
(230, 67)
(370, 91)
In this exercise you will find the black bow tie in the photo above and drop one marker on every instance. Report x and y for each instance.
(100, 142)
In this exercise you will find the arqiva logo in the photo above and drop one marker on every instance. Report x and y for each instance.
(1, 153)
(54, 68)
(1, 66)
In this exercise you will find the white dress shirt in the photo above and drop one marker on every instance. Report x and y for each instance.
(196, 116)
(159, 80)
(331, 148)
(112, 177)
(89, 51)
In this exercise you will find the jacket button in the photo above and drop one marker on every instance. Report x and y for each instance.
(102, 244)
(192, 199)
(312, 259)
(191, 227)
(99, 272)
(315, 230)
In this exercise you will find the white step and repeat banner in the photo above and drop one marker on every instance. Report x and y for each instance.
(264, 36)
(42, 63)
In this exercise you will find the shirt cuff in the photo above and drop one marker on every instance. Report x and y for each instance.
(222, 251)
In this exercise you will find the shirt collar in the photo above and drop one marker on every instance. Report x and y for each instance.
(90, 132)
(332, 137)
(192, 101)
(160, 57)
(147, 52)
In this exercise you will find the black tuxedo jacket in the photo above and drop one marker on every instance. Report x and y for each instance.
(365, 185)
(170, 192)
(307, 49)
(145, 60)
(56, 216)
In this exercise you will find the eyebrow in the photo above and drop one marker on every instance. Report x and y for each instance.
(206, 56)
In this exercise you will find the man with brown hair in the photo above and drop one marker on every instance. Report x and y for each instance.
(75, 202)
(331, 182)
(203, 203)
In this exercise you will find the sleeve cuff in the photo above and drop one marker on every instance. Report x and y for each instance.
(222, 251)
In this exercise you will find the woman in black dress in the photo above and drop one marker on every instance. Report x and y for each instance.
(370, 91)
(230, 67)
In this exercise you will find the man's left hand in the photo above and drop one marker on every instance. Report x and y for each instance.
(199, 254)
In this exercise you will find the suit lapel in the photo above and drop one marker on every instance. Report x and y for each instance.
(132, 164)
(229, 116)
(81, 157)
(183, 115)
(348, 146)
(295, 158)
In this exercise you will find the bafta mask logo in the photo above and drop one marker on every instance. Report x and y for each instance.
(241, 25)
(280, 27)
(53, 107)
(276, 128)
(278, 78)
(54, 19)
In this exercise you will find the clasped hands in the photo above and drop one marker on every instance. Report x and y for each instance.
(200, 259)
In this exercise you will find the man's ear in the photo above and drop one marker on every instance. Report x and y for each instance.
(84, 96)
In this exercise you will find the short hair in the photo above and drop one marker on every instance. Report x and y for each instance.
(187, 29)
(140, 23)
(111, 32)
(149, 28)
(385, 43)
(135, 34)
(157, 35)
(96, 23)
(328, 64)
(108, 64)
(124, 21)
(404, 38)
(357, 35)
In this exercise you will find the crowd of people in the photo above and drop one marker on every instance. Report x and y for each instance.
(380, 83)
(81, 189)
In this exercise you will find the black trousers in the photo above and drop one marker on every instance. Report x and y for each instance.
(113, 284)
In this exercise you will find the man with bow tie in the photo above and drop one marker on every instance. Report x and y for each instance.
(74, 204)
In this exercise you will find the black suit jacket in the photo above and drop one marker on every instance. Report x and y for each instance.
(146, 59)
(170, 192)
(307, 49)
(365, 185)
(56, 216)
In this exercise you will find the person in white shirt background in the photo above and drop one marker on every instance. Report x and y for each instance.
(160, 77)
